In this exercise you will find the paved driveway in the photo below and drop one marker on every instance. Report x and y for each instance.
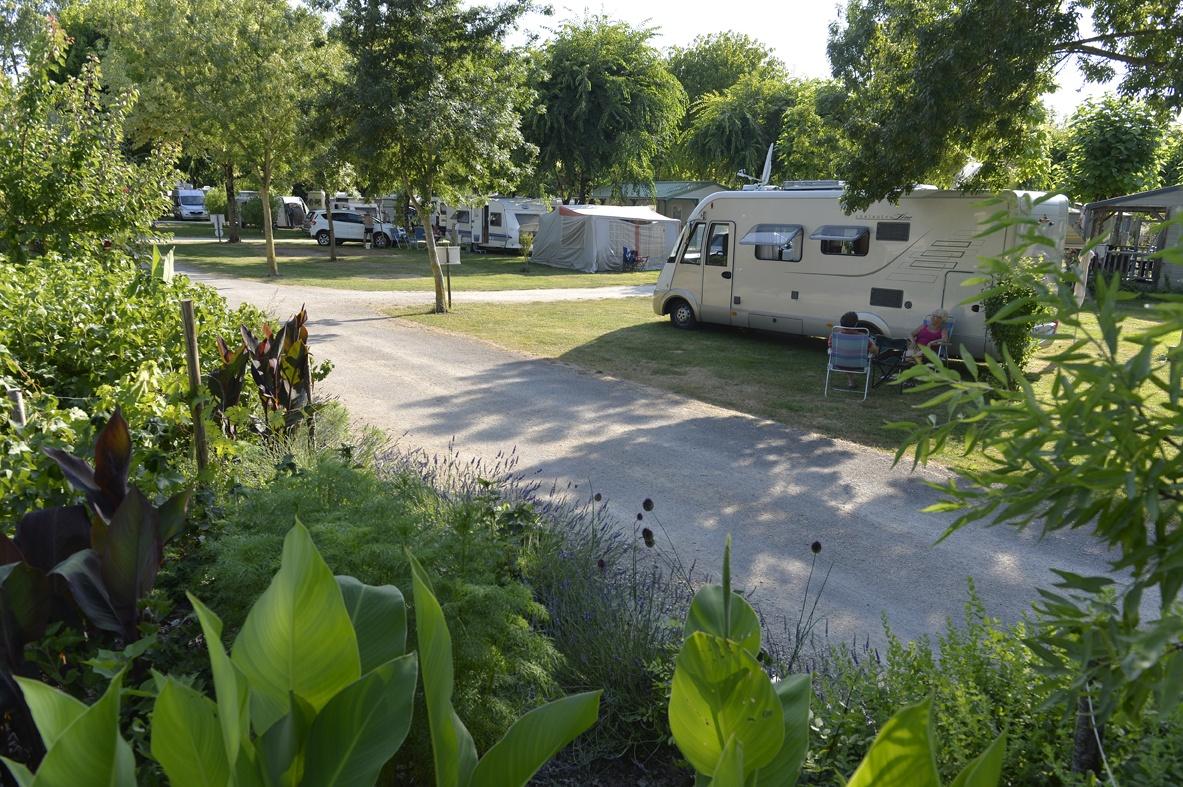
(709, 470)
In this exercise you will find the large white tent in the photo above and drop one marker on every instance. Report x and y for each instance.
(595, 237)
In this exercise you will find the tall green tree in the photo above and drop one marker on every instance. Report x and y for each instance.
(1113, 149)
(812, 145)
(66, 185)
(732, 129)
(432, 100)
(611, 106)
(713, 63)
(1170, 165)
(933, 83)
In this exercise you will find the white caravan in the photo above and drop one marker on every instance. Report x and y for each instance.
(497, 225)
(792, 261)
(189, 203)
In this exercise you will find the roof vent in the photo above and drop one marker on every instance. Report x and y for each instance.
(812, 185)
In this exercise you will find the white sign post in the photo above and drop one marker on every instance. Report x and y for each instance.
(217, 219)
(446, 257)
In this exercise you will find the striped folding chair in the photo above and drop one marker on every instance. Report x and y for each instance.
(850, 353)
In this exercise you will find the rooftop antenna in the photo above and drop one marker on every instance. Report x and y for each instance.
(758, 184)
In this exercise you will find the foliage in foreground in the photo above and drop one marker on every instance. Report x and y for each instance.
(316, 690)
(739, 729)
(1102, 453)
(86, 335)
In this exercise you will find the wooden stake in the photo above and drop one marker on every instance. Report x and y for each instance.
(191, 361)
(18, 406)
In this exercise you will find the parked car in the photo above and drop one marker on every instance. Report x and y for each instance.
(348, 225)
(189, 204)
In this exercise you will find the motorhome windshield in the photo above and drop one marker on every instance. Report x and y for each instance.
(196, 199)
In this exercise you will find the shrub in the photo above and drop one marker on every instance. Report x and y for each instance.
(90, 334)
(361, 523)
(215, 200)
(252, 211)
(1012, 310)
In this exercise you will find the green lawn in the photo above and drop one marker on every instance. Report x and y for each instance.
(775, 377)
(302, 261)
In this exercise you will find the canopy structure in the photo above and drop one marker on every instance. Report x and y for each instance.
(604, 238)
(1134, 234)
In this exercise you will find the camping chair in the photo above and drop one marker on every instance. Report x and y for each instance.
(420, 237)
(400, 238)
(890, 362)
(942, 348)
(629, 261)
(850, 352)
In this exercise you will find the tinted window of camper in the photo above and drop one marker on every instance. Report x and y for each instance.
(843, 241)
(717, 248)
(462, 217)
(780, 242)
(494, 219)
(193, 200)
(693, 253)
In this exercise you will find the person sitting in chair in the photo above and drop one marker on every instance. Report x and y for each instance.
(849, 324)
(933, 332)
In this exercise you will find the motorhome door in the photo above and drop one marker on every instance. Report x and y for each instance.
(718, 272)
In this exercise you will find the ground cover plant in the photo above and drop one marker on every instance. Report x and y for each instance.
(304, 263)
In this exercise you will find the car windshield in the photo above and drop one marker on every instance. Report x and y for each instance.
(194, 200)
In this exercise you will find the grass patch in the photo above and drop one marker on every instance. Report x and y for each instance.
(303, 262)
(776, 377)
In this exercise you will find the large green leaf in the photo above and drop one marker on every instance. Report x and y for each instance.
(706, 614)
(230, 686)
(20, 773)
(281, 747)
(793, 692)
(985, 770)
(87, 752)
(171, 516)
(53, 710)
(451, 745)
(902, 754)
(730, 770)
(297, 638)
(720, 691)
(186, 738)
(379, 616)
(130, 551)
(361, 728)
(47, 537)
(83, 573)
(534, 739)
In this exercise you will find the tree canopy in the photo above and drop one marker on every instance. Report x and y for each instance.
(713, 63)
(933, 83)
(610, 106)
(1113, 149)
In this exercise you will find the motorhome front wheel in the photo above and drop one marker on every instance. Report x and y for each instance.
(681, 315)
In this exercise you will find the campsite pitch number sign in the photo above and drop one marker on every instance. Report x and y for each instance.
(218, 220)
(446, 257)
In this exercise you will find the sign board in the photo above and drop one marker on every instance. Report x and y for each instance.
(217, 219)
(447, 255)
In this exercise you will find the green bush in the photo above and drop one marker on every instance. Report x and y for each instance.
(361, 523)
(252, 211)
(1012, 310)
(983, 679)
(86, 335)
(215, 200)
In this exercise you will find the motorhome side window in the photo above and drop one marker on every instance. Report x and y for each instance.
(717, 247)
(462, 217)
(843, 241)
(693, 253)
(780, 242)
(494, 219)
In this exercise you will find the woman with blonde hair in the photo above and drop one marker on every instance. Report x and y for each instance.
(933, 332)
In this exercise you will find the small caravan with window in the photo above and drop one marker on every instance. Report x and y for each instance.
(496, 225)
(790, 260)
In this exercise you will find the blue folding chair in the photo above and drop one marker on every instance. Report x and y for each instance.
(850, 353)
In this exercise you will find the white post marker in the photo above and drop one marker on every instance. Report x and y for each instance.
(217, 219)
(446, 257)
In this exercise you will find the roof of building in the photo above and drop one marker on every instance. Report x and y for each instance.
(629, 212)
(662, 189)
(1167, 197)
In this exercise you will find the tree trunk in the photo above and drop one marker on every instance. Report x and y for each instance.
(268, 230)
(437, 273)
(231, 206)
(1086, 752)
(332, 231)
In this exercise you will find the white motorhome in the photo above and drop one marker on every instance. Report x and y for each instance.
(189, 203)
(790, 260)
(496, 225)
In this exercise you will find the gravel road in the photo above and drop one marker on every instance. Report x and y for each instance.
(709, 470)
